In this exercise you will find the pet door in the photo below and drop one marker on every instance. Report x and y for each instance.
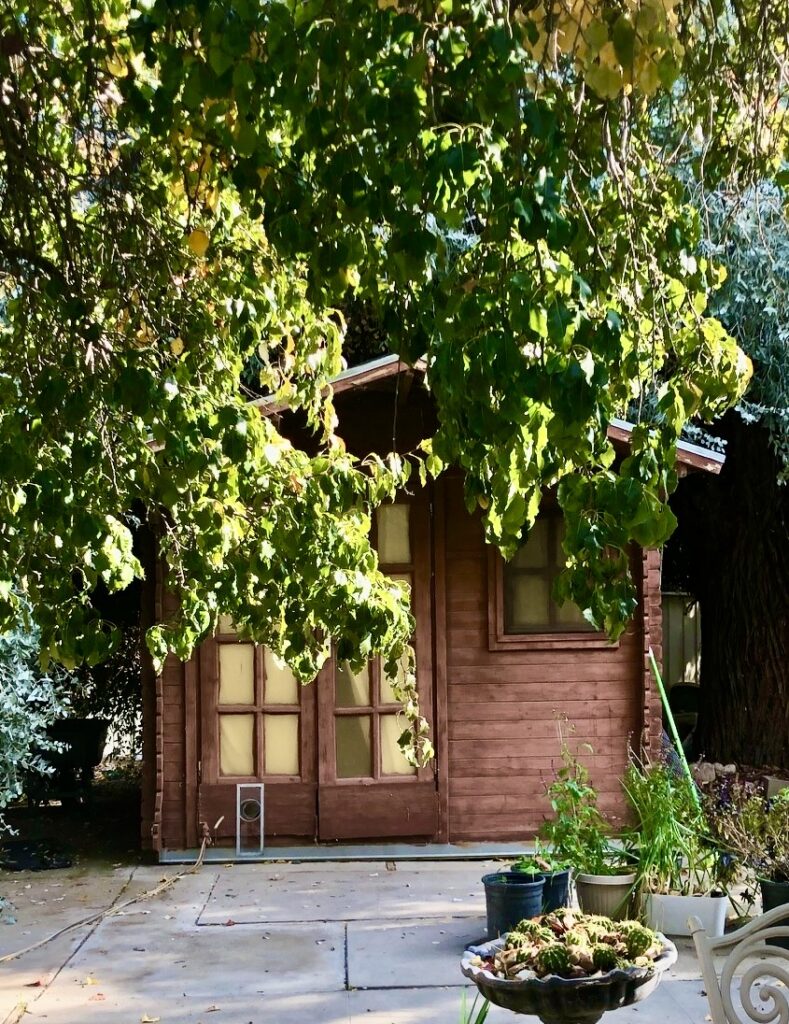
(249, 819)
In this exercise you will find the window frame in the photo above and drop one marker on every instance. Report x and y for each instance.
(376, 709)
(259, 709)
(546, 639)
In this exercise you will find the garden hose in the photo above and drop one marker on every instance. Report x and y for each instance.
(115, 909)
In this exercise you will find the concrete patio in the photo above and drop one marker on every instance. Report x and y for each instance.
(268, 943)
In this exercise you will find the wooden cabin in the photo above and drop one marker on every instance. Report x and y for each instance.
(497, 661)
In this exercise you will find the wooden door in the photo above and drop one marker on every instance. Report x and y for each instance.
(366, 789)
(258, 725)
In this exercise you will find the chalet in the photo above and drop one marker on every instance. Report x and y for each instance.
(497, 660)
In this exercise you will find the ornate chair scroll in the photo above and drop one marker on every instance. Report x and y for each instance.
(762, 988)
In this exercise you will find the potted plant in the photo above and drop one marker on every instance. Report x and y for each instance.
(579, 835)
(510, 898)
(554, 872)
(679, 866)
(754, 830)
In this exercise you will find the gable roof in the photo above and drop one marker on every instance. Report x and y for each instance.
(689, 456)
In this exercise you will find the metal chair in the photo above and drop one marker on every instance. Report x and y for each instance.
(767, 980)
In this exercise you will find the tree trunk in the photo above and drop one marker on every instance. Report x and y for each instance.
(733, 542)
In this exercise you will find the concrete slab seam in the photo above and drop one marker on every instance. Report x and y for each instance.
(198, 922)
(88, 933)
(202, 909)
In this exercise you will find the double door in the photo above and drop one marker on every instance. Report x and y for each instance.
(326, 752)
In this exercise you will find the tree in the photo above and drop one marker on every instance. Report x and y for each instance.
(185, 186)
(30, 701)
(734, 529)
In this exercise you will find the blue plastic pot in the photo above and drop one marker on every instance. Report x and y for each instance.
(556, 891)
(509, 900)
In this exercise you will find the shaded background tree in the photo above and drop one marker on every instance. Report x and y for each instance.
(732, 543)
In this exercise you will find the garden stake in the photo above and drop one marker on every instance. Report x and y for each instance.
(673, 728)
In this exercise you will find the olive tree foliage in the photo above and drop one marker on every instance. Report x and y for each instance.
(749, 233)
(30, 701)
(186, 185)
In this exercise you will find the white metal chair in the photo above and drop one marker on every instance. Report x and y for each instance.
(766, 981)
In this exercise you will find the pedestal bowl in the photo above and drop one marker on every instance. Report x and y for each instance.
(567, 1000)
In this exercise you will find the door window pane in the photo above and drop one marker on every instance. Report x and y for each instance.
(281, 738)
(394, 542)
(236, 744)
(282, 687)
(387, 693)
(353, 747)
(393, 761)
(352, 690)
(236, 674)
(403, 577)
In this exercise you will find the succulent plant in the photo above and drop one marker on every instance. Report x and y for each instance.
(574, 945)
(534, 930)
(604, 957)
(638, 939)
(553, 959)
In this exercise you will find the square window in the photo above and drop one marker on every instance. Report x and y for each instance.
(522, 609)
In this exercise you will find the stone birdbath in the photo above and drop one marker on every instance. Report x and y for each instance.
(558, 1000)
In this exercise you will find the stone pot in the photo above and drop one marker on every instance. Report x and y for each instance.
(567, 1000)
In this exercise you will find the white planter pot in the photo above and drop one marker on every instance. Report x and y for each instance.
(774, 785)
(608, 895)
(669, 914)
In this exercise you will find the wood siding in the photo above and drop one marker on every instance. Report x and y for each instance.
(495, 710)
(501, 742)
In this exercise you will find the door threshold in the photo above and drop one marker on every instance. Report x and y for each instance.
(362, 852)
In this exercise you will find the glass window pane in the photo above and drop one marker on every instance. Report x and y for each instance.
(226, 625)
(282, 687)
(281, 739)
(404, 577)
(353, 747)
(392, 760)
(387, 694)
(394, 542)
(352, 691)
(529, 597)
(569, 614)
(236, 744)
(534, 553)
(236, 674)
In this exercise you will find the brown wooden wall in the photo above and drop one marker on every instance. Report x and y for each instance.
(501, 744)
(496, 731)
(164, 813)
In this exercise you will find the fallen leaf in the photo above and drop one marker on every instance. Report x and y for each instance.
(229, 923)
(145, 1019)
(97, 998)
(212, 1009)
(35, 984)
(90, 981)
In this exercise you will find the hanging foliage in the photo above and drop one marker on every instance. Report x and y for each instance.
(186, 187)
